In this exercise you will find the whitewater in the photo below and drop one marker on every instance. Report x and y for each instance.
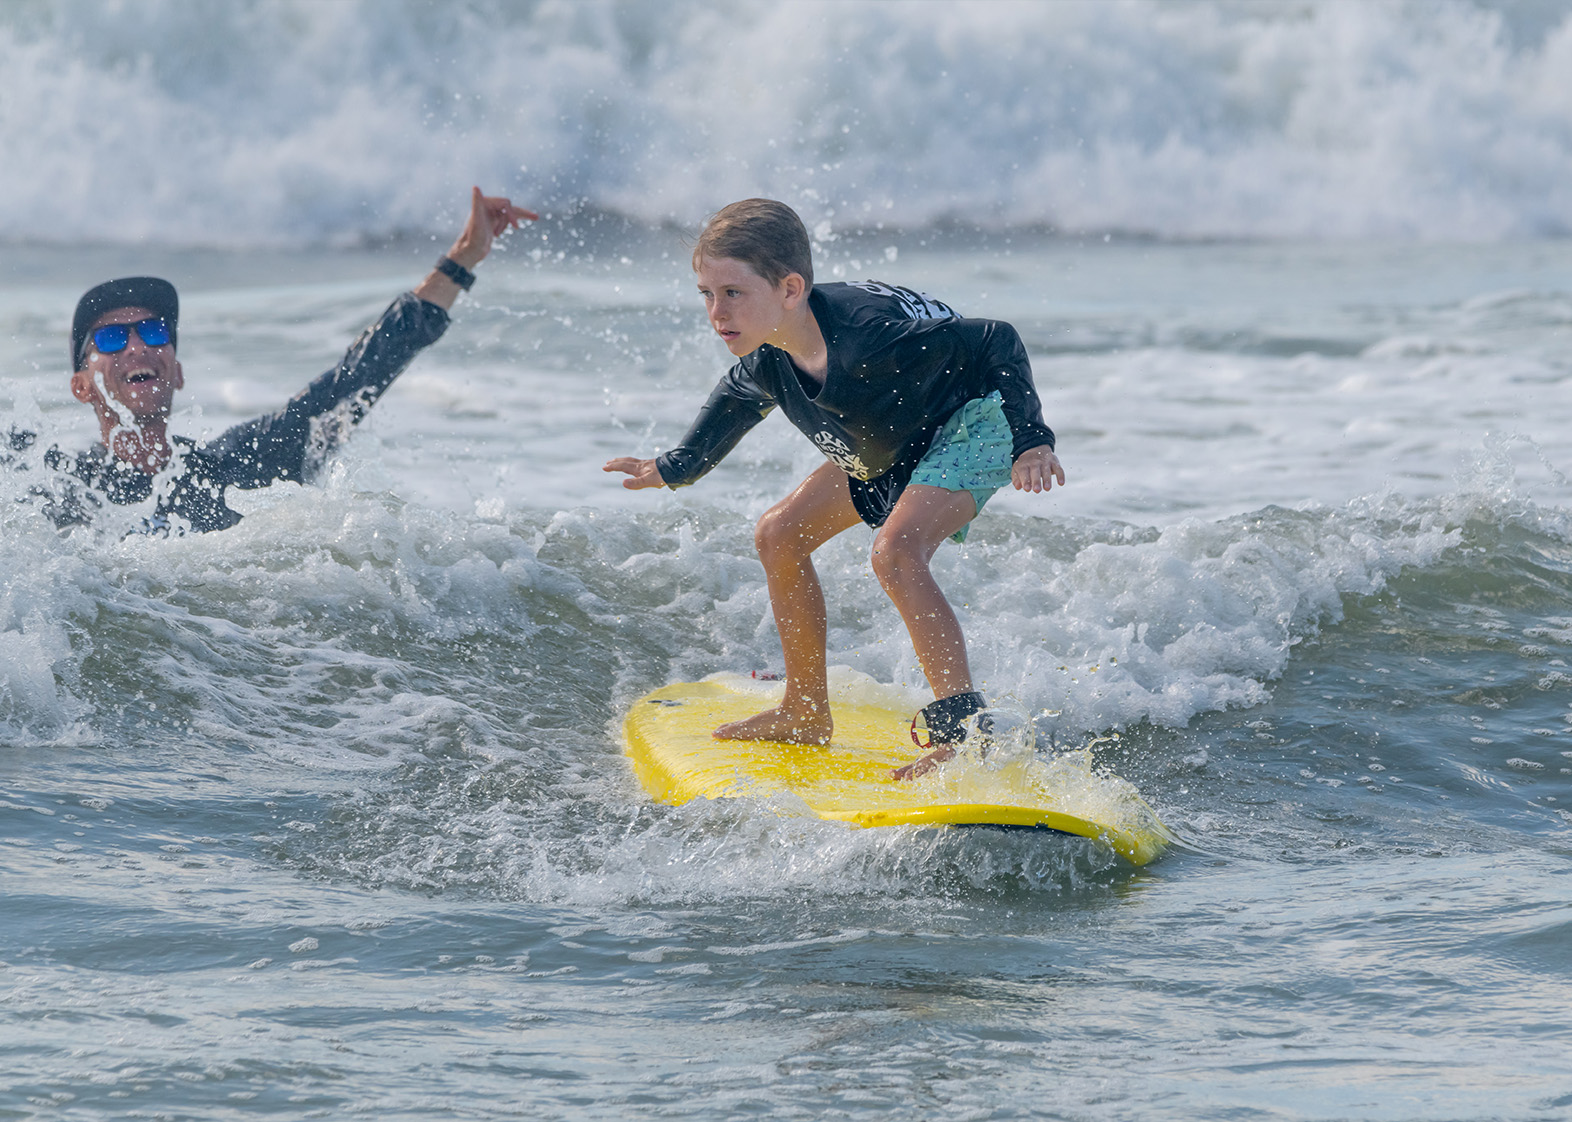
(327, 814)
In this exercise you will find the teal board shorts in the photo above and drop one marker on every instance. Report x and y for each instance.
(970, 452)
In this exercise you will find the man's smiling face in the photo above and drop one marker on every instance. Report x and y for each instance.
(139, 381)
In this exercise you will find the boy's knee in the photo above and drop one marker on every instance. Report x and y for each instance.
(775, 535)
(894, 560)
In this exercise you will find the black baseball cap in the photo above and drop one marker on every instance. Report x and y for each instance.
(153, 293)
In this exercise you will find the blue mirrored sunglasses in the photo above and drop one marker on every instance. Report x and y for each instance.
(113, 337)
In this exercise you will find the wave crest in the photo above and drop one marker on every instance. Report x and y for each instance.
(287, 122)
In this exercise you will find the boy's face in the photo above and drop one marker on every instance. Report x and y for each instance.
(745, 309)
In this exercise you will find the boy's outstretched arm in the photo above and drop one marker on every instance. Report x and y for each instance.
(644, 472)
(1036, 469)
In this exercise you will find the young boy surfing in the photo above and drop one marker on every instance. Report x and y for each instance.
(923, 416)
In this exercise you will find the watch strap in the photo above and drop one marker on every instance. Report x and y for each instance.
(455, 272)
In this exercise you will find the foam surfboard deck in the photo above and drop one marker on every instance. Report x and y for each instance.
(667, 734)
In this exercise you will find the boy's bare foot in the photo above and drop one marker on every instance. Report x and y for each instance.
(922, 766)
(782, 725)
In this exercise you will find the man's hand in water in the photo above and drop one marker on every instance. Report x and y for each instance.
(644, 472)
(1036, 469)
(489, 216)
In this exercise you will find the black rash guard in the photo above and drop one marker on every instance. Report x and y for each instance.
(289, 444)
(899, 364)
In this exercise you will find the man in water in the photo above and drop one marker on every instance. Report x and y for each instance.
(123, 361)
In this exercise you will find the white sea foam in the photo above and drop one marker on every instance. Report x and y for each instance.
(1204, 616)
(295, 122)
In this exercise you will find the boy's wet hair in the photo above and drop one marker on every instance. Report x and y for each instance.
(763, 234)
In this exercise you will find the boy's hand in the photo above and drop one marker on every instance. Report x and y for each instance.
(1036, 469)
(644, 472)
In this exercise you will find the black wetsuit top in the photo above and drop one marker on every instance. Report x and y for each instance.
(899, 364)
(289, 444)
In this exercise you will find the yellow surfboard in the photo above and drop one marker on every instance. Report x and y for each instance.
(677, 760)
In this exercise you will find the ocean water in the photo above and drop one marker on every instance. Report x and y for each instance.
(326, 816)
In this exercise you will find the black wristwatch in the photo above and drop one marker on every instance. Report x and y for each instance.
(455, 272)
